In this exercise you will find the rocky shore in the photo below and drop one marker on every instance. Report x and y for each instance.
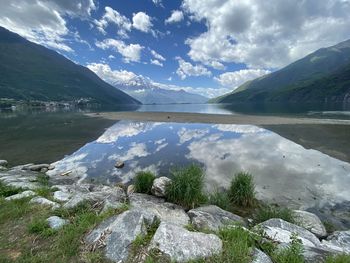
(179, 235)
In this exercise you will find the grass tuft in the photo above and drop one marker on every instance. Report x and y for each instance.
(220, 199)
(143, 182)
(266, 212)
(242, 190)
(40, 227)
(6, 190)
(343, 258)
(186, 187)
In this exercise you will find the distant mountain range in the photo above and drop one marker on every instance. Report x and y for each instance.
(322, 76)
(32, 72)
(148, 92)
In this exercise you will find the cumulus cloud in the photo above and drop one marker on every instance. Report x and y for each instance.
(187, 69)
(156, 62)
(43, 22)
(130, 53)
(141, 21)
(112, 16)
(158, 3)
(237, 78)
(176, 16)
(265, 34)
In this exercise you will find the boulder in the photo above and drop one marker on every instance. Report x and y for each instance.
(38, 167)
(117, 233)
(182, 245)
(119, 164)
(159, 186)
(45, 202)
(260, 257)
(212, 217)
(62, 196)
(56, 222)
(166, 212)
(18, 178)
(339, 241)
(3, 163)
(281, 231)
(22, 195)
(311, 222)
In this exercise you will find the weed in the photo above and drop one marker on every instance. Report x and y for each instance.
(242, 190)
(143, 182)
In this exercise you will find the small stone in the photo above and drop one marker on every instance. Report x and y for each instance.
(159, 186)
(44, 170)
(62, 196)
(182, 245)
(3, 168)
(119, 164)
(38, 167)
(45, 202)
(3, 163)
(56, 222)
(51, 167)
(130, 190)
(20, 195)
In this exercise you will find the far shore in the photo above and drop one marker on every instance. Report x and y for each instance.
(213, 118)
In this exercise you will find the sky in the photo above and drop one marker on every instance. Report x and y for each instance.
(208, 47)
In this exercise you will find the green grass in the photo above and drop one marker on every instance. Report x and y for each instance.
(290, 254)
(43, 179)
(242, 190)
(220, 199)
(41, 227)
(143, 182)
(186, 187)
(266, 212)
(338, 259)
(6, 190)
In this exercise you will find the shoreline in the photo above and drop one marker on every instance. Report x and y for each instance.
(213, 118)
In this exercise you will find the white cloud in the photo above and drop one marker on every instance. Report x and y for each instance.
(112, 16)
(156, 62)
(187, 69)
(105, 72)
(176, 16)
(237, 78)
(158, 3)
(157, 56)
(265, 34)
(142, 22)
(131, 52)
(43, 22)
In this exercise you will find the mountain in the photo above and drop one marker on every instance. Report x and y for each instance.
(149, 92)
(32, 72)
(322, 76)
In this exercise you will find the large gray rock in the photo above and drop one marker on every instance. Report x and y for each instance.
(56, 222)
(166, 212)
(22, 195)
(311, 222)
(44, 202)
(159, 186)
(260, 257)
(73, 195)
(212, 217)
(18, 178)
(37, 167)
(117, 233)
(182, 245)
(281, 231)
(3, 163)
(339, 241)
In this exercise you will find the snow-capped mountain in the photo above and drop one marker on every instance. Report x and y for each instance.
(148, 92)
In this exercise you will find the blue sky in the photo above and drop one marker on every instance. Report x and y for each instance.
(207, 47)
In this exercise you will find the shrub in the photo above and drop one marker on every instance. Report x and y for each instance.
(267, 212)
(220, 199)
(242, 190)
(291, 254)
(186, 187)
(143, 182)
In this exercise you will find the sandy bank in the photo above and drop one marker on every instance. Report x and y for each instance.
(213, 118)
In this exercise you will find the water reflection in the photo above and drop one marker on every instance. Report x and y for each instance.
(284, 171)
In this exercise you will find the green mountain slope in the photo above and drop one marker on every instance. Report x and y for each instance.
(32, 72)
(320, 76)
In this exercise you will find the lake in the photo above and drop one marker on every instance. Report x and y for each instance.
(302, 166)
